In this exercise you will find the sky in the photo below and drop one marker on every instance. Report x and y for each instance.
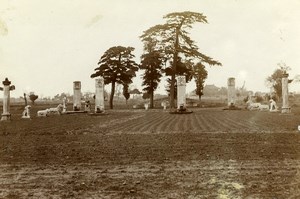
(46, 45)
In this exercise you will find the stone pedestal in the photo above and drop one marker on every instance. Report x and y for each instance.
(6, 99)
(99, 95)
(77, 96)
(181, 87)
(285, 94)
(231, 92)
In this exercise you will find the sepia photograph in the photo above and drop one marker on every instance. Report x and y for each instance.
(160, 99)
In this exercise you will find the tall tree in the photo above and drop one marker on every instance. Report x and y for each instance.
(274, 81)
(200, 75)
(152, 63)
(116, 65)
(173, 39)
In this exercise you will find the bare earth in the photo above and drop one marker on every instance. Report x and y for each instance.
(210, 153)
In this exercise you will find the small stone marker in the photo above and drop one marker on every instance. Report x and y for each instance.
(181, 85)
(99, 95)
(6, 99)
(26, 112)
(77, 95)
(285, 94)
(231, 91)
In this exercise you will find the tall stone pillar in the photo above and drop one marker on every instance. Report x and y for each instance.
(231, 91)
(285, 94)
(99, 95)
(6, 99)
(77, 96)
(181, 86)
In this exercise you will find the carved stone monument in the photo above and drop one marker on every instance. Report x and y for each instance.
(26, 112)
(76, 96)
(181, 86)
(273, 106)
(285, 94)
(231, 92)
(6, 99)
(99, 95)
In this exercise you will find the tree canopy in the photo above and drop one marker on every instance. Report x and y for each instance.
(274, 81)
(152, 63)
(116, 65)
(172, 39)
(200, 75)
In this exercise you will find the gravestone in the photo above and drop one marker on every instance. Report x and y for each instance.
(76, 96)
(6, 99)
(26, 112)
(181, 86)
(99, 95)
(285, 94)
(231, 92)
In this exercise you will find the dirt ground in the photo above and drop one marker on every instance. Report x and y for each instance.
(210, 153)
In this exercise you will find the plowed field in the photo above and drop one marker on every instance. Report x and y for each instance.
(210, 153)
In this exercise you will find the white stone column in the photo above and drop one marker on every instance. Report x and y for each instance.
(231, 91)
(181, 86)
(6, 99)
(285, 94)
(99, 95)
(77, 96)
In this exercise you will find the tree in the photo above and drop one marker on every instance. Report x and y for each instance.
(200, 75)
(116, 65)
(173, 39)
(274, 81)
(33, 97)
(126, 93)
(152, 63)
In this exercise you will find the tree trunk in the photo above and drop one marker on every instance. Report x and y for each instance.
(172, 91)
(174, 67)
(112, 93)
(151, 99)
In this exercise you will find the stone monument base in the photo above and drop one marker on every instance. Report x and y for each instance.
(180, 110)
(98, 113)
(285, 110)
(6, 117)
(73, 112)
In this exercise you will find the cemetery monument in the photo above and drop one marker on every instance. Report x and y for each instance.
(6, 99)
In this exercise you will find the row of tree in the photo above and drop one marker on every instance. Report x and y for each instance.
(168, 50)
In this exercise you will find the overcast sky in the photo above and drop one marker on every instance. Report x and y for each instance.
(46, 45)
